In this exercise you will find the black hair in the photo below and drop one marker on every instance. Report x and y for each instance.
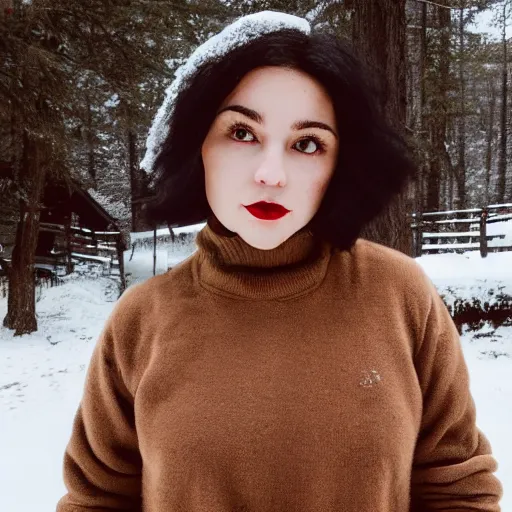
(374, 162)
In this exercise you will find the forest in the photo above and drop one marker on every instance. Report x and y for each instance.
(80, 83)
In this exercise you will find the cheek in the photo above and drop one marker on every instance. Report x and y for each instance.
(210, 165)
(323, 181)
(220, 176)
(213, 164)
(226, 166)
(218, 156)
(316, 188)
(317, 192)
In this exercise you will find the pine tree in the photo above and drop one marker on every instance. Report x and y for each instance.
(60, 64)
(504, 20)
(379, 32)
(32, 74)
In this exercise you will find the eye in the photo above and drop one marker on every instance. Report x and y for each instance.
(309, 146)
(241, 133)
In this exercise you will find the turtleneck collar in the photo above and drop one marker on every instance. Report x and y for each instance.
(228, 265)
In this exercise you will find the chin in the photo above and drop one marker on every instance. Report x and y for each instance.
(266, 243)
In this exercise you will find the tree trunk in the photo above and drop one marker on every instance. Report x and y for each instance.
(490, 138)
(379, 35)
(21, 313)
(133, 167)
(443, 191)
(91, 164)
(423, 100)
(379, 30)
(451, 193)
(135, 180)
(423, 66)
(440, 163)
(461, 165)
(502, 156)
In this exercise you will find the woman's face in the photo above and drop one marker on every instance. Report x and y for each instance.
(274, 139)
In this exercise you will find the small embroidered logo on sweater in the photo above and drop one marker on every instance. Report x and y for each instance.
(370, 378)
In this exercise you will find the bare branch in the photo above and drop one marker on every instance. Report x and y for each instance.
(438, 5)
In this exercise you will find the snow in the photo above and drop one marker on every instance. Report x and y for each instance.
(501, 205)
(500, 228)
(449, 212)
(140, 267)
(238, 33)
(497, 226)
(450, 235)
(469, 245)
(42, 374)
(117, 209)
(113, 101)
(140, 235)
(41, 380)
(468, 275)
(102, 259)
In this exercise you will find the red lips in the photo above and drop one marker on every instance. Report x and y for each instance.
(267, 211)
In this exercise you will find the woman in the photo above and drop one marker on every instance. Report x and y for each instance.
(288, 364)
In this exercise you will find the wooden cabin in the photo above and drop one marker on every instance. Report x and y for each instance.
(74, 227)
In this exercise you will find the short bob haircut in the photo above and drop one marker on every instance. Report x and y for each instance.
(374, 162)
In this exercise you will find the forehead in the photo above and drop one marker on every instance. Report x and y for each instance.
(282, 91)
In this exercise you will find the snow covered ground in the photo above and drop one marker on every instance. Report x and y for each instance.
(42, 375)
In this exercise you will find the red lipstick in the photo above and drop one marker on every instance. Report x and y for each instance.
(267, 211)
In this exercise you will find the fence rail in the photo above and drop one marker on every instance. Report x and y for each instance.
(462, 230)
(74, 244)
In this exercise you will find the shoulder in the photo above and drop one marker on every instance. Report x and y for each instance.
(142, 310)
(394, 277)
(398, 287)
(146, 304)
(389, 264)
(145, 297)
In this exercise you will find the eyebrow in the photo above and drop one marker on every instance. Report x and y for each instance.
(257, 118)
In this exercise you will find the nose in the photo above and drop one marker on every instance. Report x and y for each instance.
(271, 170)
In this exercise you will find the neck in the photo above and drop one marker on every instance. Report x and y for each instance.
(230, 266)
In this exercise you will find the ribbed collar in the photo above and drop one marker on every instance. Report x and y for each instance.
(226, 264)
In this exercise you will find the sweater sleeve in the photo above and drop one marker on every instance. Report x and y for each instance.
(102, 463)
(453, 463)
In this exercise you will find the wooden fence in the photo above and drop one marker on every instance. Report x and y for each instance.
(462, 230)
(75, 244)
(44, 278)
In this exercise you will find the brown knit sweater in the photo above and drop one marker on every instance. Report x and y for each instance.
(298, 379)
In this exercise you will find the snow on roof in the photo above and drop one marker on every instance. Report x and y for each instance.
(238, 33)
